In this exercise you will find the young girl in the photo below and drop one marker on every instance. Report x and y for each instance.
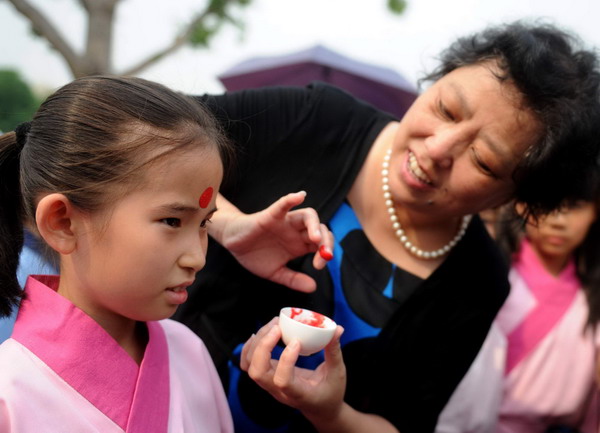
(536, 370)
(119, 177)
(551, 322)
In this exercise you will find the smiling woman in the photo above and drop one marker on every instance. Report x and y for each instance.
(513, 112)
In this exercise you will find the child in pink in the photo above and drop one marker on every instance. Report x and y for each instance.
(551, 322)
(536, 370)
(119, 177)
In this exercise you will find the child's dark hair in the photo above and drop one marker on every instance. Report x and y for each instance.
(86, 140)
(560, 82)
(510, 231)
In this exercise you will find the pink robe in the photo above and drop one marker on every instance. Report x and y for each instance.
(61, 372)
(536, 368)
(551, 360)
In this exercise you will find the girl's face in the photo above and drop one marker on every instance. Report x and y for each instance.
(458, 145)
(136, 259)
(558, 234)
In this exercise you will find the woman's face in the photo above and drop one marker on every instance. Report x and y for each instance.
(457, 146)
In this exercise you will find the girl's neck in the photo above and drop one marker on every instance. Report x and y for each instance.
(132, 336)
(553, 264)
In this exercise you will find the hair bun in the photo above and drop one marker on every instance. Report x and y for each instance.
(21, 132)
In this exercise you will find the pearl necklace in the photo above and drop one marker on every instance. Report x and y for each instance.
(400, 232)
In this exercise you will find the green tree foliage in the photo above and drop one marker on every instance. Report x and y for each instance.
(397, 6)
(17, 101)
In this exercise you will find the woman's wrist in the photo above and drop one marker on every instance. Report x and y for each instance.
(348, 420)
(327, 420)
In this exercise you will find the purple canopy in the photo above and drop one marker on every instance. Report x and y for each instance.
(382, 87)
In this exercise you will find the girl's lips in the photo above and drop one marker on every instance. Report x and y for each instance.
(177, 295)
(555, 240)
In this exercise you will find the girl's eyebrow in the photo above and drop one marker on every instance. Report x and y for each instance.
(182, 208)
(178, 208)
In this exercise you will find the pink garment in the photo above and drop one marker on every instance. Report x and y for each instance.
(551, 358)
(61, 372)
(550, 361)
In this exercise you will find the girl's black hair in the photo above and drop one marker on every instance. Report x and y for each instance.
(87, 139)
(510, 230)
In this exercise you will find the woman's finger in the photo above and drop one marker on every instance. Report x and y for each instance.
(284, 374)
(294, 280)
(333, 351)
(250, 346)
(325, 252)
(260, 368)
(247, 351)
(282, 206)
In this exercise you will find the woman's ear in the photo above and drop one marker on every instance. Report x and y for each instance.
(54, 218)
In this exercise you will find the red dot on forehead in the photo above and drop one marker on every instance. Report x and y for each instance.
(206, 197)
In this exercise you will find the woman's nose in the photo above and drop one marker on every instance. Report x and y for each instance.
(443, 146)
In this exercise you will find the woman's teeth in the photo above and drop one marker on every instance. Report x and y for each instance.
(415, 169)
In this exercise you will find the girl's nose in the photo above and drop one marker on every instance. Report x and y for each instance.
(194, 257)
(557, 218)
(443, 146)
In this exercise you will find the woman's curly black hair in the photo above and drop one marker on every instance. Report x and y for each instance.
(560, 82)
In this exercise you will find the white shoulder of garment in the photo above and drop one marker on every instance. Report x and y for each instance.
(33, 398)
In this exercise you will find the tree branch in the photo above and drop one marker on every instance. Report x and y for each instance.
(43, 27)
(179, 41)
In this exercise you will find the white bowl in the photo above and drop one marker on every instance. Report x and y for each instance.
(312, 330)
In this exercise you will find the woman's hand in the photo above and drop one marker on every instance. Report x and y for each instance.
(264, 242)
(318, 394)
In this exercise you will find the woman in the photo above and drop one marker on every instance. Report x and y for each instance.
(414, 281)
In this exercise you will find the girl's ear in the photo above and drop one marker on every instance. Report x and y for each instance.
(54, 218)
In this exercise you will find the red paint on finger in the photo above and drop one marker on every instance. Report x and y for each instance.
(324, 253)
(206, 197)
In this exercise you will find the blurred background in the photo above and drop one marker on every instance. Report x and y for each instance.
(403, 36)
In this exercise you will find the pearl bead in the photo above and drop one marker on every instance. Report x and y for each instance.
(413, 249)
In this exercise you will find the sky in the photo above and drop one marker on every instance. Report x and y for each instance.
(362, 29)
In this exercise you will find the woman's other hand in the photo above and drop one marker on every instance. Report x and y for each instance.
(264, 242)
(316, 393)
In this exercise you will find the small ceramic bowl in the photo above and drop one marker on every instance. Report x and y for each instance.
(313, 330)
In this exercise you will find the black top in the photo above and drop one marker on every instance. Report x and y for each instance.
(316, 139)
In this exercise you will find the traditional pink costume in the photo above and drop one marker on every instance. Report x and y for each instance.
(551, 361)
(537, 366)
(62, 372)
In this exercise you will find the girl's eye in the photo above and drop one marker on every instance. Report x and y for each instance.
(172, 222)
(205, 222)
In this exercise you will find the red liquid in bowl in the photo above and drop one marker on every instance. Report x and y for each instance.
(308, 317)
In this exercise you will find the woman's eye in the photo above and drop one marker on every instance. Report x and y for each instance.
(482, 165)
(445, 112)
(205, 222)
(172, 222)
